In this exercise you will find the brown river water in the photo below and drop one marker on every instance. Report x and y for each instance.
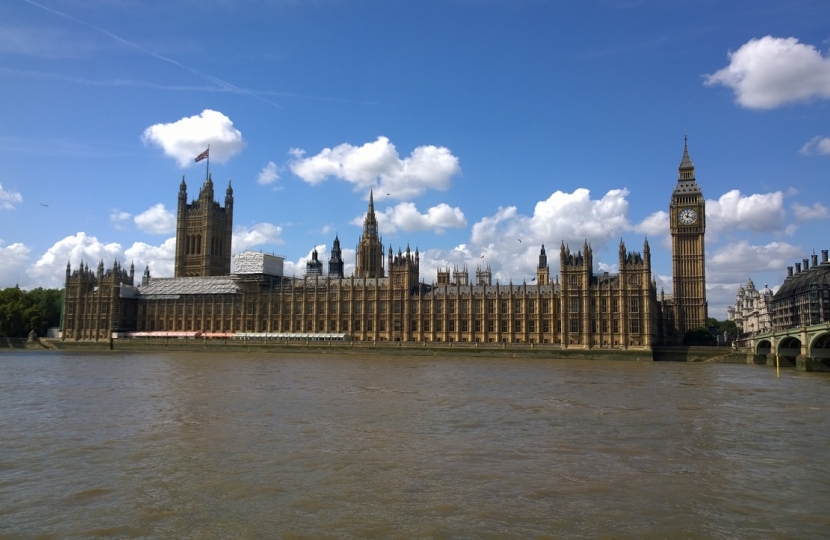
(202, 445)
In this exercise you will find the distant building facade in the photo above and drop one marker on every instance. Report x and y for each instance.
(386, 299)
(203, 233)
(752, 311)
(804, 297)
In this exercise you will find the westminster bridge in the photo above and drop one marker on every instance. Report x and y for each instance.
(807, 348)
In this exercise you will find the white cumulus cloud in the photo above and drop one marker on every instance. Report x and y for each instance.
(156, 220)
(806, 213)
(816, 145)
(737, 261)
(50, 269)
(186, 138)
(269, 174)
(256, 235)
(13, 260)
(377, 165)
(769, 72)
(406, 217)
(118, 218)
(159, 259)
(510, 242)
(759, 212)
(9, 198)
(656, 224)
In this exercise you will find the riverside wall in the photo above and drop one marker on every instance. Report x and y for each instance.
(515, 350)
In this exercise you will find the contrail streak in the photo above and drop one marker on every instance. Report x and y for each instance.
(211, 78)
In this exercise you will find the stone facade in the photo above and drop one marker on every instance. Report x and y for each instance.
(753, 309)
(804, 297)
(387, 300)
(203, 233)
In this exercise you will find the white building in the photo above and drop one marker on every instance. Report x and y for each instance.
(753, 309)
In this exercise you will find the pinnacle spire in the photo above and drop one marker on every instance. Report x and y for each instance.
(686, 161)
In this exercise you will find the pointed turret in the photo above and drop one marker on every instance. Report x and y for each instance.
(686, 172)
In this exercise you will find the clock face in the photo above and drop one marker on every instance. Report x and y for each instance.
(687, 216)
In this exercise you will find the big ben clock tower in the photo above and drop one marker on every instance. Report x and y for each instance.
(687, 221)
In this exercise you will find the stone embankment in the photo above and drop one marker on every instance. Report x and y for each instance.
(514, 350)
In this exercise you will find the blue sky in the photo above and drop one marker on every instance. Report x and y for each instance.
(478, 123)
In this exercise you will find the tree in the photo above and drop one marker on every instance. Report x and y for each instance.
(21, 312)
(699, 336)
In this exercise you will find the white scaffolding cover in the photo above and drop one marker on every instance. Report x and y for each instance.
(254, 262)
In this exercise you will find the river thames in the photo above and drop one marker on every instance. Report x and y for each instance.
(202, 445)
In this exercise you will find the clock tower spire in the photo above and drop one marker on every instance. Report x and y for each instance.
(687, 222)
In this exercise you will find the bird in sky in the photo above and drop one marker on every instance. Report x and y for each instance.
(44, 204)
(519, 239)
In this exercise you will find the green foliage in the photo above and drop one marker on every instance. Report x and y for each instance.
(728, 327)
(724, 327)
(21, 311)
(699, 336)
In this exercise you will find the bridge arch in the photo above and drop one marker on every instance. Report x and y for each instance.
(788, 349)
(819, 346)
(763, 346)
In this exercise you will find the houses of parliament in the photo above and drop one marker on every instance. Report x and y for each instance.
(387, 299)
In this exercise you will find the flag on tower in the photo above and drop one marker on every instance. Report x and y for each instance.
(203, 155)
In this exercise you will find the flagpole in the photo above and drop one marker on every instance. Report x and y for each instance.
(207, 169)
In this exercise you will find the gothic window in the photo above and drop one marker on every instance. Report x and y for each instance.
(634, 326)
(396, 306)
(634, 305)
(615, 305)
(477, 306)
(491, 307)
(491, 326)
(573, 305)
(545, 326)
(574, 326)
(503, 326)
(477, 326)
(504, 306)
(451, 325)
(439, 307)
(517, 325)
(615, 326)
(531, 326)
(531, 307)
(451, 307)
